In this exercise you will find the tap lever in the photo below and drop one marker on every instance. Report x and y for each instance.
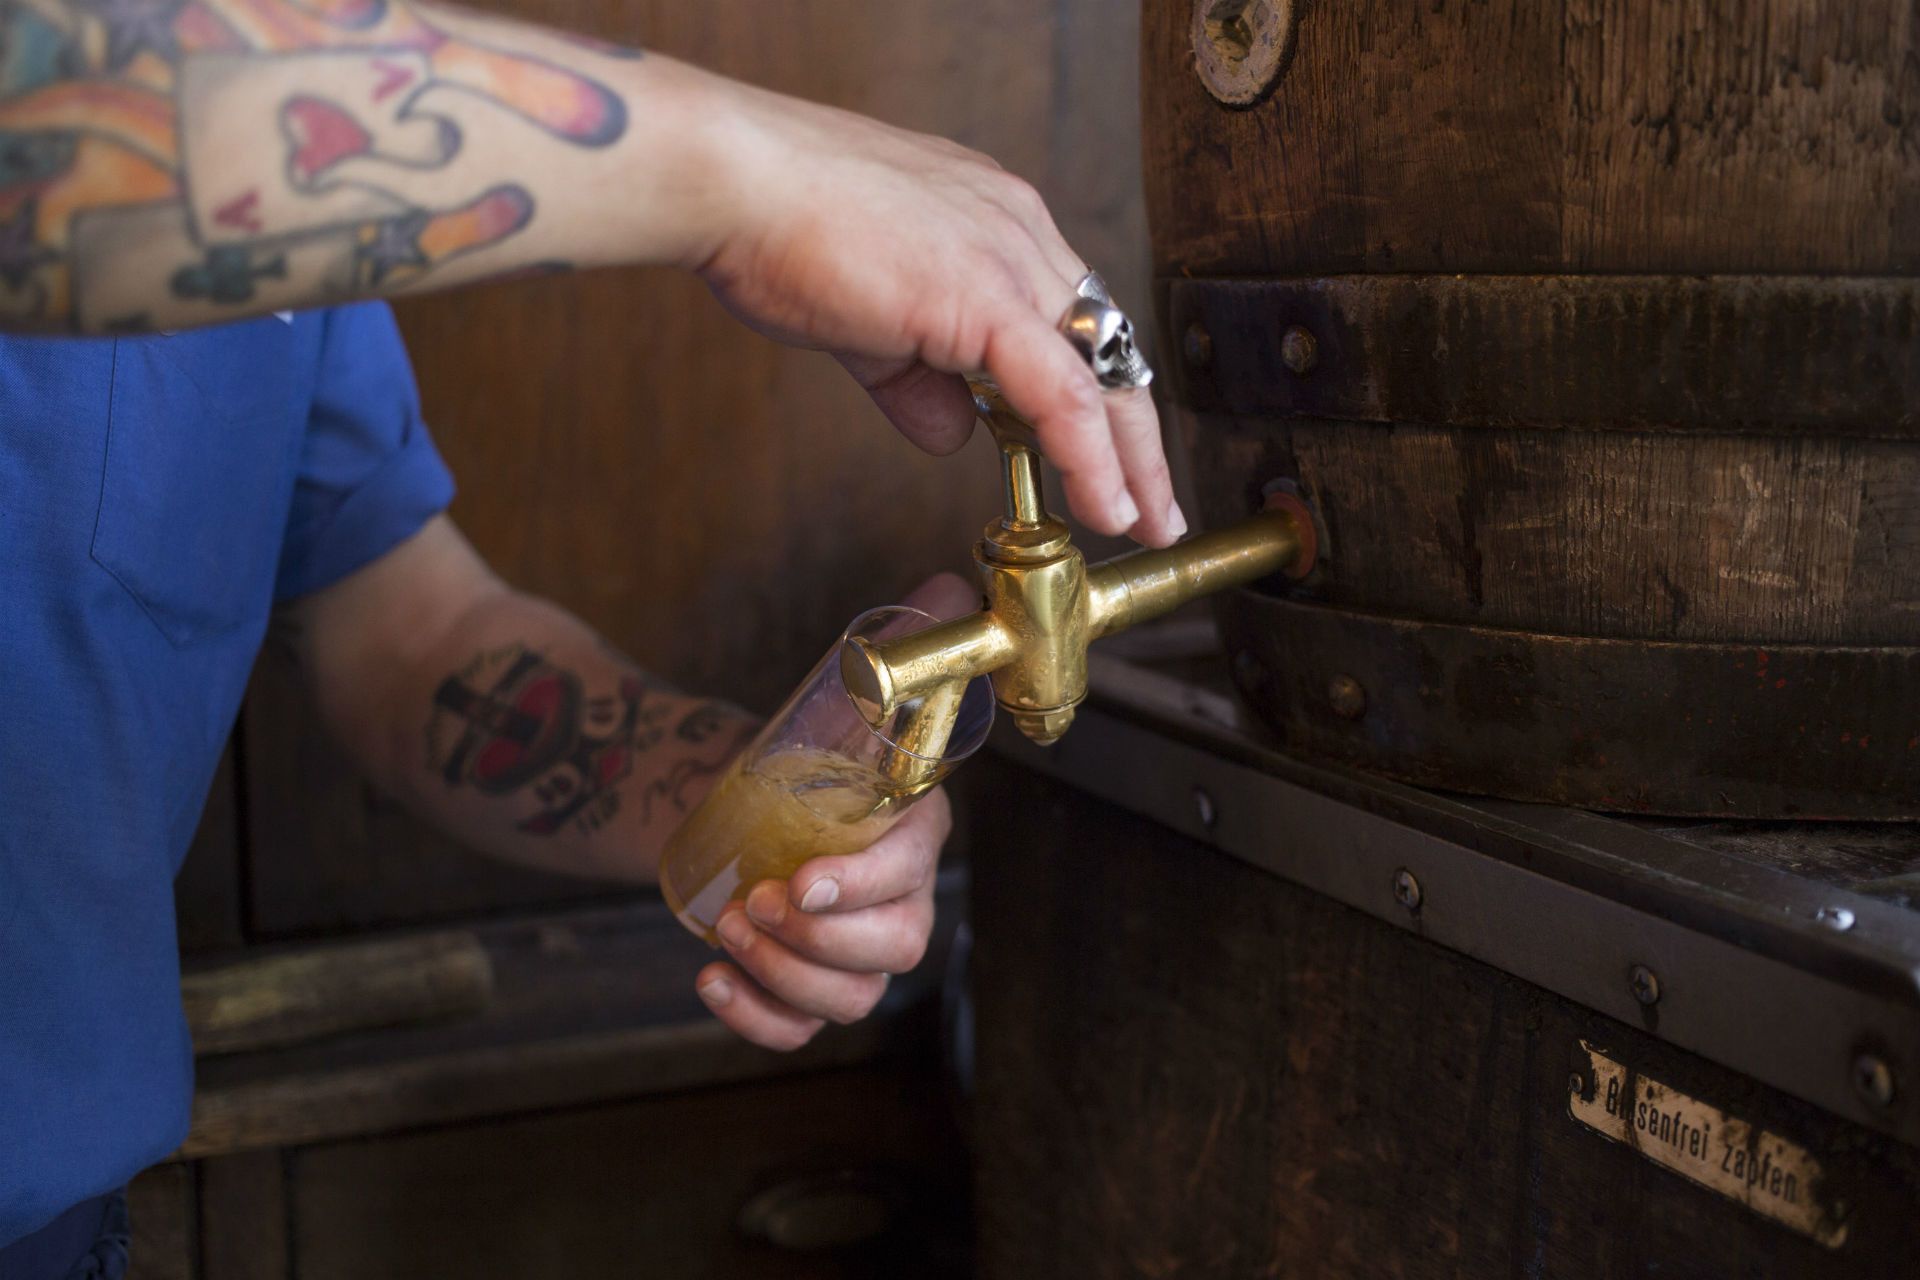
(1026, 506)
(1009, 429)
(1044, 605)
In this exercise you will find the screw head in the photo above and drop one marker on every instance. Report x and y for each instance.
(1873, 1080)
(1346, 697)
(1203, 807)
(1646, 985)
(1406, 889)
(1838, 919)
(1299, 349)
(1197, 346)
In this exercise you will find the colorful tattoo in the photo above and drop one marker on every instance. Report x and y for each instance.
(512, 723)
(698, 727)
(137, 140)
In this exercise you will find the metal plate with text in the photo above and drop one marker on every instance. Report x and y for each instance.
(1770, 1175)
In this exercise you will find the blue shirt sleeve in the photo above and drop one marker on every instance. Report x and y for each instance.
(369, 474)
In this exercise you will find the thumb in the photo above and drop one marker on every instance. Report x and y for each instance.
(930, 408)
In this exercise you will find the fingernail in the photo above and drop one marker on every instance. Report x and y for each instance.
(1125, 511)
(824, 893)
(717, 992)
(736, 931)
(768, 903)
(1176, 519)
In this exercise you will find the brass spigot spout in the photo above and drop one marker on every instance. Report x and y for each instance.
(1143, 585)
(1044, 606)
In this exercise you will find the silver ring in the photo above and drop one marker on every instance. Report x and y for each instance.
(1103, 336)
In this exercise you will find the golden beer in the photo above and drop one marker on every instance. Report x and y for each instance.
(763, 820)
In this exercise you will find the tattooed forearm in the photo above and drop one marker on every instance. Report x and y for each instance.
(180, 162)
(515, 727)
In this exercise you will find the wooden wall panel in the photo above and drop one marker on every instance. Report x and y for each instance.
(717, 505)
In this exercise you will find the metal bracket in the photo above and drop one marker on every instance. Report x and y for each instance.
(1748, 975)
(1831, 356)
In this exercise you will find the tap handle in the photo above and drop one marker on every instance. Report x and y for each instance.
(1010, 430)
(1026, 508)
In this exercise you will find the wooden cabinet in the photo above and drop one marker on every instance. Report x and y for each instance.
(1241, 1016)
(843, 1175)
(585, 1113)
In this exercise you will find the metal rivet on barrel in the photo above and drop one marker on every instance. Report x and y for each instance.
(1838, 919)
(1645, 983)
(1242, 47)
(1197, 345)
(1346, 697)
(1299, 350)
(1873, 1080)
(1406, 889)
(1203, 807)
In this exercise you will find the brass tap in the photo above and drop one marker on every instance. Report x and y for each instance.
(1044, 606)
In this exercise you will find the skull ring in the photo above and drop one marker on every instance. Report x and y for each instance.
(1103, 336)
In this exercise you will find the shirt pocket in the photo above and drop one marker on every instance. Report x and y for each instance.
(202, 430)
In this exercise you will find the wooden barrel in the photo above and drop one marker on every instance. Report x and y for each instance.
(1591, 332)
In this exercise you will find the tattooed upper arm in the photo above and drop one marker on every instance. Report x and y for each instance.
(187, 161)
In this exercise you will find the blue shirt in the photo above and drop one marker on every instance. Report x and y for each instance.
(157, 496)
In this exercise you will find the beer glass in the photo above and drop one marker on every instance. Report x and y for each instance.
(818, 780)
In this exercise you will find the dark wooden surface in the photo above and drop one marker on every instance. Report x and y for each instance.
(1189, 1068)
(1878, 858)
(1546, 135)
(162, 1208)
(659, 1186)
(1480, 584)
(243, 1206)
(1502, 433)
(1769, 539)
(264, 1002)
(1765, 354)
(650, 1188)
(1630, 726)
(585, 1006)
(716, 505)
(592, 1028)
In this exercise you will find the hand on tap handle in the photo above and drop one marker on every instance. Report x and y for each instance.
(916, 261)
